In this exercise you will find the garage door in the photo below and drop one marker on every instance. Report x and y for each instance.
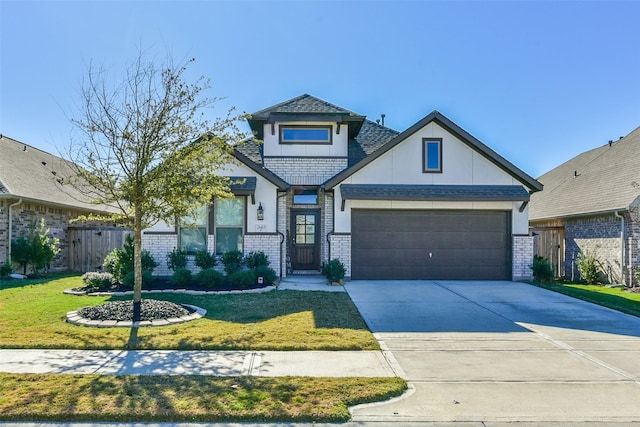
(445, 245)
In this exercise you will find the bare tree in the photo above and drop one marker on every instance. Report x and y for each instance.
(146, 148)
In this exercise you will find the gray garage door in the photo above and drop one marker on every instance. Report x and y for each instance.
(445, 245)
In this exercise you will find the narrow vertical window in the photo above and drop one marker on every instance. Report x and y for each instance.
(229, 224)
(193, 232)
(432, 154)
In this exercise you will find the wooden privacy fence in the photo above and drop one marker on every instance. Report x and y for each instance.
(88, 246)
(548, 242)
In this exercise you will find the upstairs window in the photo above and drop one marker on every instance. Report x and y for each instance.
(431, 155)
(305, 134)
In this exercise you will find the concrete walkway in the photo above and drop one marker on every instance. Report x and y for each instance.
(500, 352)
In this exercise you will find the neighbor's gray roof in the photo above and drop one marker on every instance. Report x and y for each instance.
(604, 179)
(441, 193)
(35, 175)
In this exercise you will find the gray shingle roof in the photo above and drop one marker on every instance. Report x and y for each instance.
(29, 173)
(604, 179)
(441, 193)
(303, 104)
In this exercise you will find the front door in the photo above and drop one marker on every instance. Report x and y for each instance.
(305, 245)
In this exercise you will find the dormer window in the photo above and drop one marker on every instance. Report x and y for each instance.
(299, 134)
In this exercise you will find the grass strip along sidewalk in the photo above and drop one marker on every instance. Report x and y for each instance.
(37, 397)
(32, 315)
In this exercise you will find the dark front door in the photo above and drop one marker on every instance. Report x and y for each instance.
(305, 245)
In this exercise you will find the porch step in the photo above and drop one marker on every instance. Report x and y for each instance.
(305, 282)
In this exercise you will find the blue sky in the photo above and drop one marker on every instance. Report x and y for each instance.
(538, 81)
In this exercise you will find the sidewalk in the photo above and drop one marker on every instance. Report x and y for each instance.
(217, 363)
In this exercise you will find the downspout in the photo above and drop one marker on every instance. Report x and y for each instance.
(621, 245)
(9, 232)
(282, 238)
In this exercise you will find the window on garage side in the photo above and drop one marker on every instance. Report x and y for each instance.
(229, 224)
(432, 155)
(193, 231)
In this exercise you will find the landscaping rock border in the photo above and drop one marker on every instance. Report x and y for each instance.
(175, 291)
(74, 318)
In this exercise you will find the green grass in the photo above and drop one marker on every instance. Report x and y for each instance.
(615, 298)
(32, 315)
(36, 397)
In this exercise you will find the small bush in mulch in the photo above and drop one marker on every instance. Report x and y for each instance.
(123, 310)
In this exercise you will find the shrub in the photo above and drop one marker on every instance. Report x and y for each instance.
(98, 281)
(243, 279)
(205, 260)
(333, 270)
(232, 261)
(542, 272)
(5, 269)
(119, 262)
(257, 259)
(181, 277)
(176, 259)
(209, 278)
(588, 268)
(269, 274)
(36, 248)
(128, 279)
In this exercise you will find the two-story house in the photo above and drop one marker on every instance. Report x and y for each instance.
(431, 202)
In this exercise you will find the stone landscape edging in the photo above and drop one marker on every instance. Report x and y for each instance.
(75, 319)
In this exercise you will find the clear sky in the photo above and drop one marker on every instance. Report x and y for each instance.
(537, 81)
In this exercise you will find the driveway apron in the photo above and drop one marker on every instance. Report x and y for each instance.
(501, 352)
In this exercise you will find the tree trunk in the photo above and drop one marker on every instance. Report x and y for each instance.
(137, 265)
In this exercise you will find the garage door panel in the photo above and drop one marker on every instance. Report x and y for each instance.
(463, 245)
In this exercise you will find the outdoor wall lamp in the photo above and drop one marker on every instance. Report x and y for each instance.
(260, 212)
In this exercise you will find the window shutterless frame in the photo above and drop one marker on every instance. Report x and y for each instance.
(306, 134)
(432, 155)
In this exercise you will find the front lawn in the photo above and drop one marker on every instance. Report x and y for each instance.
(32, 315)
(615, 298)
(187, 398)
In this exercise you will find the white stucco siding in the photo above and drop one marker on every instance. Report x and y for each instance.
(265, 194)
(461, 165)
(338, 147)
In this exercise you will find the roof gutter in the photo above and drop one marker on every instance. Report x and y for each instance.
(11, 227)
(622, 266)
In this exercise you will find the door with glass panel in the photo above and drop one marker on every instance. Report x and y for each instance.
(305, 245)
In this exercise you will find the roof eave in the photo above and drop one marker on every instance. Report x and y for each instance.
(436, 116)
(578, 214)
(266, 174)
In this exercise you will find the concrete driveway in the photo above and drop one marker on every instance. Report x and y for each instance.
(499, 352)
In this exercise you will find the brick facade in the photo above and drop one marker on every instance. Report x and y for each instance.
(24, 215)
(601, 235)
(341, 249)
(522, 257)
(305, 170)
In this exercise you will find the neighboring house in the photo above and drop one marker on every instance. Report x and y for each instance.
(592, 202)
(431, 202)
(30, 190)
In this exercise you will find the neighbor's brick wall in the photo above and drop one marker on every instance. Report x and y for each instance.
(633, 242)
(522, 258)
(24, 214)
(600, 235)
(305, 170)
